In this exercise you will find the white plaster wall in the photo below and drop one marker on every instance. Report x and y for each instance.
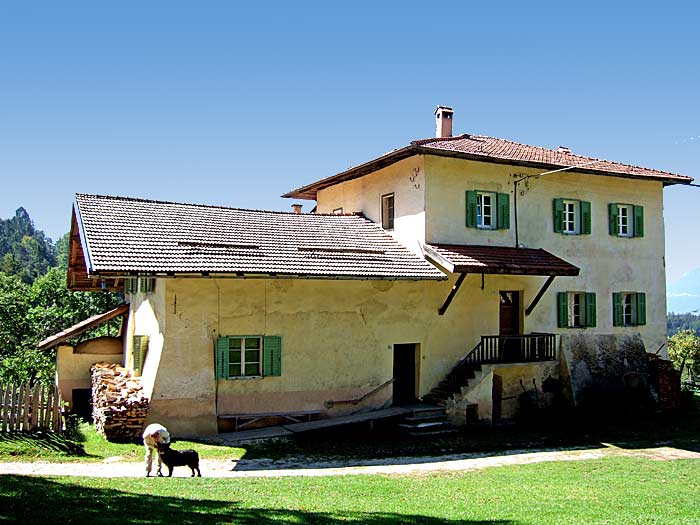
(405, 179)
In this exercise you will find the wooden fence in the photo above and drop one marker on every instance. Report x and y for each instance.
(24, 408)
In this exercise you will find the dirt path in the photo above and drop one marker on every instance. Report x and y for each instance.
(113, 468)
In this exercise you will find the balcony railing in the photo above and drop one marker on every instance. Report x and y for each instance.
(513, 349)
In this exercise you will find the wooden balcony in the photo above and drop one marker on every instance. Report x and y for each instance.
(524, 348)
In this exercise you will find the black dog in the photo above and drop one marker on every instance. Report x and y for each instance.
(178, 458)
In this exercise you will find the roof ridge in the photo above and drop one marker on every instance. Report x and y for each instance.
(215, 206)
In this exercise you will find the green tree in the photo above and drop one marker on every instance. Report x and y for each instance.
(30, 313)
(684, 352)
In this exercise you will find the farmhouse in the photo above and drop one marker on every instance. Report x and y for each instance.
(457, 271)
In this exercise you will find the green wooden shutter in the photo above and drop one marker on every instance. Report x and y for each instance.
(617, 309)
(131, 285)
(613, 218)
(140, 350)
(638, 212)
(641, 308)
(471, 209)
(590, 310)
(272, 355)
(562, 309)
(585, 217)
(503, 200)
(222, 358)
(558, 209)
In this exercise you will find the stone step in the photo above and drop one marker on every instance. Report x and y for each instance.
(425, 424)
(442, 432)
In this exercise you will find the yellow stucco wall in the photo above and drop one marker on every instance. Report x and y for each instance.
(608, 264)
(337, 339)
(73, 369)
(405, 179)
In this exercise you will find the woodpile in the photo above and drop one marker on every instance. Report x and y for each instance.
(119, 405)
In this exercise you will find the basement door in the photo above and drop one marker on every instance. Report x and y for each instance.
(405, 374)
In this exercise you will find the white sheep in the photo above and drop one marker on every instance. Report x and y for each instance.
(154, 434)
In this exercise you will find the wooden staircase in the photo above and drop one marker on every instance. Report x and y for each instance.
(492, 349)
(454, 381)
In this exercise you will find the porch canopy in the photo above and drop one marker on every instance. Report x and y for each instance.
(464, 259)
(82, 327)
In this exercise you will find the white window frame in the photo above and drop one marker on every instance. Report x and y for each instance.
(629, 308)
(388, 220)
(625, 222)
(576, 310)
(571, 219)
(243, 362)
(482, 207)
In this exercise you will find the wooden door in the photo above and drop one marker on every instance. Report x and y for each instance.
(509, 324)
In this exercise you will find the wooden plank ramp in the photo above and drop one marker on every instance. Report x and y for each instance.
(297, 428)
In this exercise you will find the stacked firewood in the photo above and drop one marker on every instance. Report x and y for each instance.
(119, 405)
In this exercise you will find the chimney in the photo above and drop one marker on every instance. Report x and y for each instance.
(296, 208)
(443, 122)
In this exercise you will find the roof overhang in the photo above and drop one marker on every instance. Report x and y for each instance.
(309, 191)
(498, 260)
(82, 327)
(79, 276)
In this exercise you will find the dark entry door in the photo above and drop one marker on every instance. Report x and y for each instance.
(404, 374)
(509, 324)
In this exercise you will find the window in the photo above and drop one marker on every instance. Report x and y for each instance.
(484, 210)
(338, 211)
(626, 220)
(248, 356)
(388, 211)
(629, 309)
(572, 217)
(576, 309)
(487, 210)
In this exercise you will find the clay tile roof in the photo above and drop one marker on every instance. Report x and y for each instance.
(498, 259)
(127, 236)
(494, 148)
(490, 149)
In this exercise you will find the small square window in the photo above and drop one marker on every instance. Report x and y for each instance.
(338, 211)
(244, 356)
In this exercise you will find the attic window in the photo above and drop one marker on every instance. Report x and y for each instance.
(219, 245)
(326, 249)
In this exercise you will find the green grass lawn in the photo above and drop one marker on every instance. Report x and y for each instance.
(611, 491)
(87, 445)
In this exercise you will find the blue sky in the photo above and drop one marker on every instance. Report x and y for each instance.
(220, 104)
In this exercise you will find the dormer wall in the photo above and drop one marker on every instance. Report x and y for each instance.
(404, 179)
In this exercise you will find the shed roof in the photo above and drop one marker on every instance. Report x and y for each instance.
(498, 260)
(82, 327)
(128, 236)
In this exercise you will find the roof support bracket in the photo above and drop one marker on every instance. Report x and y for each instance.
(452, 294)
(539, 295)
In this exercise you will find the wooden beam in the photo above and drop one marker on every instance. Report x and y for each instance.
(539, 295)
(452, 294)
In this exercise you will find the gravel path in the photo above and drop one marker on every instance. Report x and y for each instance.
(113, 468)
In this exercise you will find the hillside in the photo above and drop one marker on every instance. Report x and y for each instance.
(684, 295)
(24, 250)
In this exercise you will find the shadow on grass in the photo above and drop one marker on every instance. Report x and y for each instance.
(35, 500)
(21, 443)
(545, 431)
